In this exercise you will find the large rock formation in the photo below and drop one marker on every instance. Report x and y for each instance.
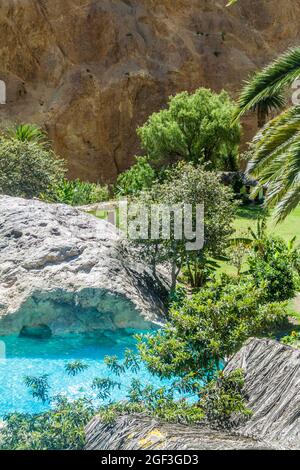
(272, 373)
(69, 271)
(92, 71)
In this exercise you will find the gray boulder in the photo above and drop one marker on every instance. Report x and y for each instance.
(70, 271)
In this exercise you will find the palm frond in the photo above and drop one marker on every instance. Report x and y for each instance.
(266, 87)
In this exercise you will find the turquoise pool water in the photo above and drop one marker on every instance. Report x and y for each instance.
(25, 357)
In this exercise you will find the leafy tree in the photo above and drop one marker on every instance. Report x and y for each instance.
(207, 329)
(195, 127)
(139, 177)
(27, 169)
(186, 184)
(276, 147)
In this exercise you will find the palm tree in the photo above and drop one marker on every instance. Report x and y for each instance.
(276, 148)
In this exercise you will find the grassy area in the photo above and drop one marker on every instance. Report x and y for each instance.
(248, 216)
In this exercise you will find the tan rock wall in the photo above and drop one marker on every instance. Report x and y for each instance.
(92, 71)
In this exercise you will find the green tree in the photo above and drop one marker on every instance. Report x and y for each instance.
(27, 169)
(186, 184)
(276, 161)
(195, 127)
(209, 328)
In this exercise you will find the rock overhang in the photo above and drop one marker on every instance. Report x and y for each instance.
(58, 265)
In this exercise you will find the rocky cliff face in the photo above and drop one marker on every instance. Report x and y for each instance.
(91, 71)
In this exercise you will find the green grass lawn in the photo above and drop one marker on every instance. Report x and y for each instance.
(248, 216)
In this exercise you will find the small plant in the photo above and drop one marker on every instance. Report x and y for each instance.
(28, 133)
(275, 264)
(292, 340)
(76, 367)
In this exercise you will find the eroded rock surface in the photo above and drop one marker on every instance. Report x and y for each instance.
(272, 373)
(91, 71)
(68, 270)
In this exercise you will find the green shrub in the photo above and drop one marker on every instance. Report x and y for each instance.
(78, 193)
(139, 177)
(223, 400)
(209, 327)
(27, 169)
(274, 264)
(59, 429)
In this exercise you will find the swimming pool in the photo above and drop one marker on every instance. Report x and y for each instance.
(31, 357)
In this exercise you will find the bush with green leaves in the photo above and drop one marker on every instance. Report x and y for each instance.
(208, 329)
(61, 428)
(195, 127)
(78, 193)
(28, 169)
(139, 177)
(276, 265)
(224, 402)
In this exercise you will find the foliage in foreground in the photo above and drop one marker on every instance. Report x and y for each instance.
(209, 328)
(57, 429)
(62, 428)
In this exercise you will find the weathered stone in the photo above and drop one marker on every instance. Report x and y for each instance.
(70, 271)
(92, 71)
(272, 385)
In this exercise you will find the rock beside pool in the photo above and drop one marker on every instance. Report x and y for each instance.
(70, 271)
(272, 385)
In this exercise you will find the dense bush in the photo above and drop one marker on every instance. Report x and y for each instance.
(195, 127)
(139, 177)
(27, 169)
(274, 264)
(78, 193)
(59, 429)
(209, 327)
